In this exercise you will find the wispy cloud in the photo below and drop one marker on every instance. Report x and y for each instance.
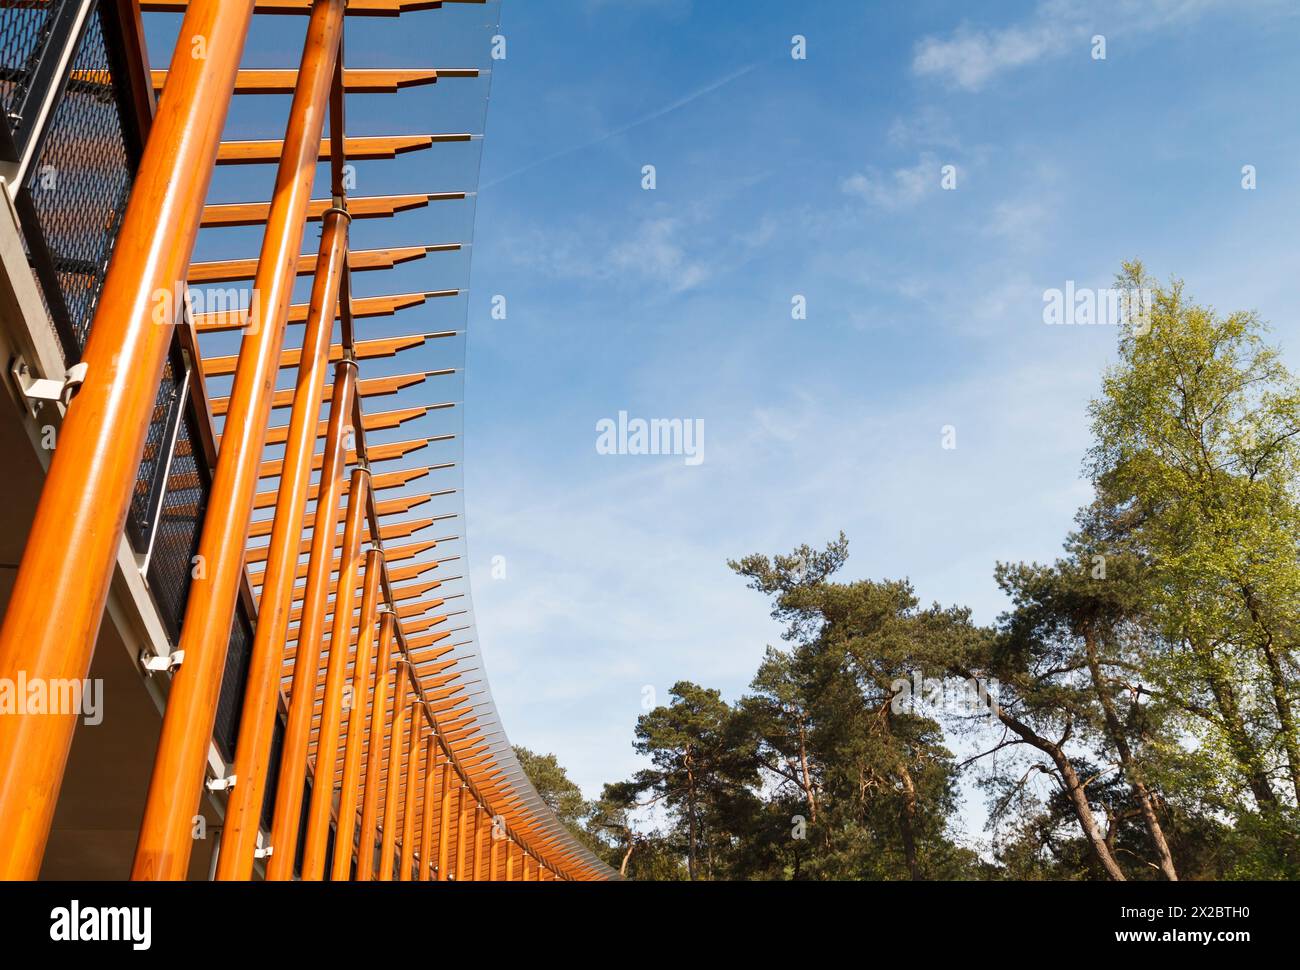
(623, 129)
(656, 253)
(929, 127)
(898, 189)
(970, 57)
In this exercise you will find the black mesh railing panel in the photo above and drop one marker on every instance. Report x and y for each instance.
(329, 848)
(149, 485)
(303, 811)
(24, 28)
(273, 773)
(233, 684)
(177, 540)
(81, 179)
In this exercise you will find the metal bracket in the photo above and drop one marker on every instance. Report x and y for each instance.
(264, 853)
(222, 784)
(38, 390)
(155, 664)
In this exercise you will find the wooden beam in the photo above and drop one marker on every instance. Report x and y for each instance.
(363, 148)
(232, 270)
(356, 8)
(371, 387)
(232, 214)
(365, 350)
(355, 80)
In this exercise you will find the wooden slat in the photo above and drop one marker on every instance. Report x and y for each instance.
(370, 387)
(394, 554)
(397, 506)
(366, 207)
(356, 8)
(232, 270)
(376, 453)
(355, 80)
(379, 421)
(361, 148)
(388, 480)
(397, 530)
(371, 306)
(363, 349)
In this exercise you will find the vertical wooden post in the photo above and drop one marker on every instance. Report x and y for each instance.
(482, 838)
(510, 861)
(444, 820)
(306, 667)
(427, 854)
(262, 690)
(164, 847)
(396, 769)
(413, 760)
(54, 611)
(463, 798)
(357, 720)
(327, 737)
(494, 857)
(375, 753)
(474, 830)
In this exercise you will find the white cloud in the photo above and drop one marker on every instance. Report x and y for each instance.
(900, 188)
(970, 57)
(929, 126)
(656, 253)
(1020, 219)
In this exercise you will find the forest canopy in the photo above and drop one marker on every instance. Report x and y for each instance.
(1132, 715)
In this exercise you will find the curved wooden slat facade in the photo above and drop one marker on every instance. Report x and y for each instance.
(377, 687)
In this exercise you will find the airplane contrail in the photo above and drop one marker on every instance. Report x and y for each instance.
(646, 119)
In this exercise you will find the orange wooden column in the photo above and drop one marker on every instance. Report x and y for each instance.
(361, 677)
(444, 820)
(306, 667)
(375, 753)
(510, 861)
(57, 604)
(427, 854)
(327, 738)
(262, 691)
(463, 797)
(475, 832)
(413, 761)
(482, 872)
(494, 860)
(165, 842)
(397, 752)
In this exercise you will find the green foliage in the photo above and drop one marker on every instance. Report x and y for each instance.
(1145, 723)
(561, 795)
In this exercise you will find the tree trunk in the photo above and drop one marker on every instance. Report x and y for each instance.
(1131, 769)
(906, 812)
(1281, 700)
(809, 793)
(1285, 716)
(690, 822)
(907, 822)
(627, 857)
(1243, 749)
(1073, 788)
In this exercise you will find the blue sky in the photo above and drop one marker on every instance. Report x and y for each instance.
(821, 177)
(775, 178)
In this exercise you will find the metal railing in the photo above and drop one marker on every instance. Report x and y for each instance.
(71, 136)
(67, 150)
